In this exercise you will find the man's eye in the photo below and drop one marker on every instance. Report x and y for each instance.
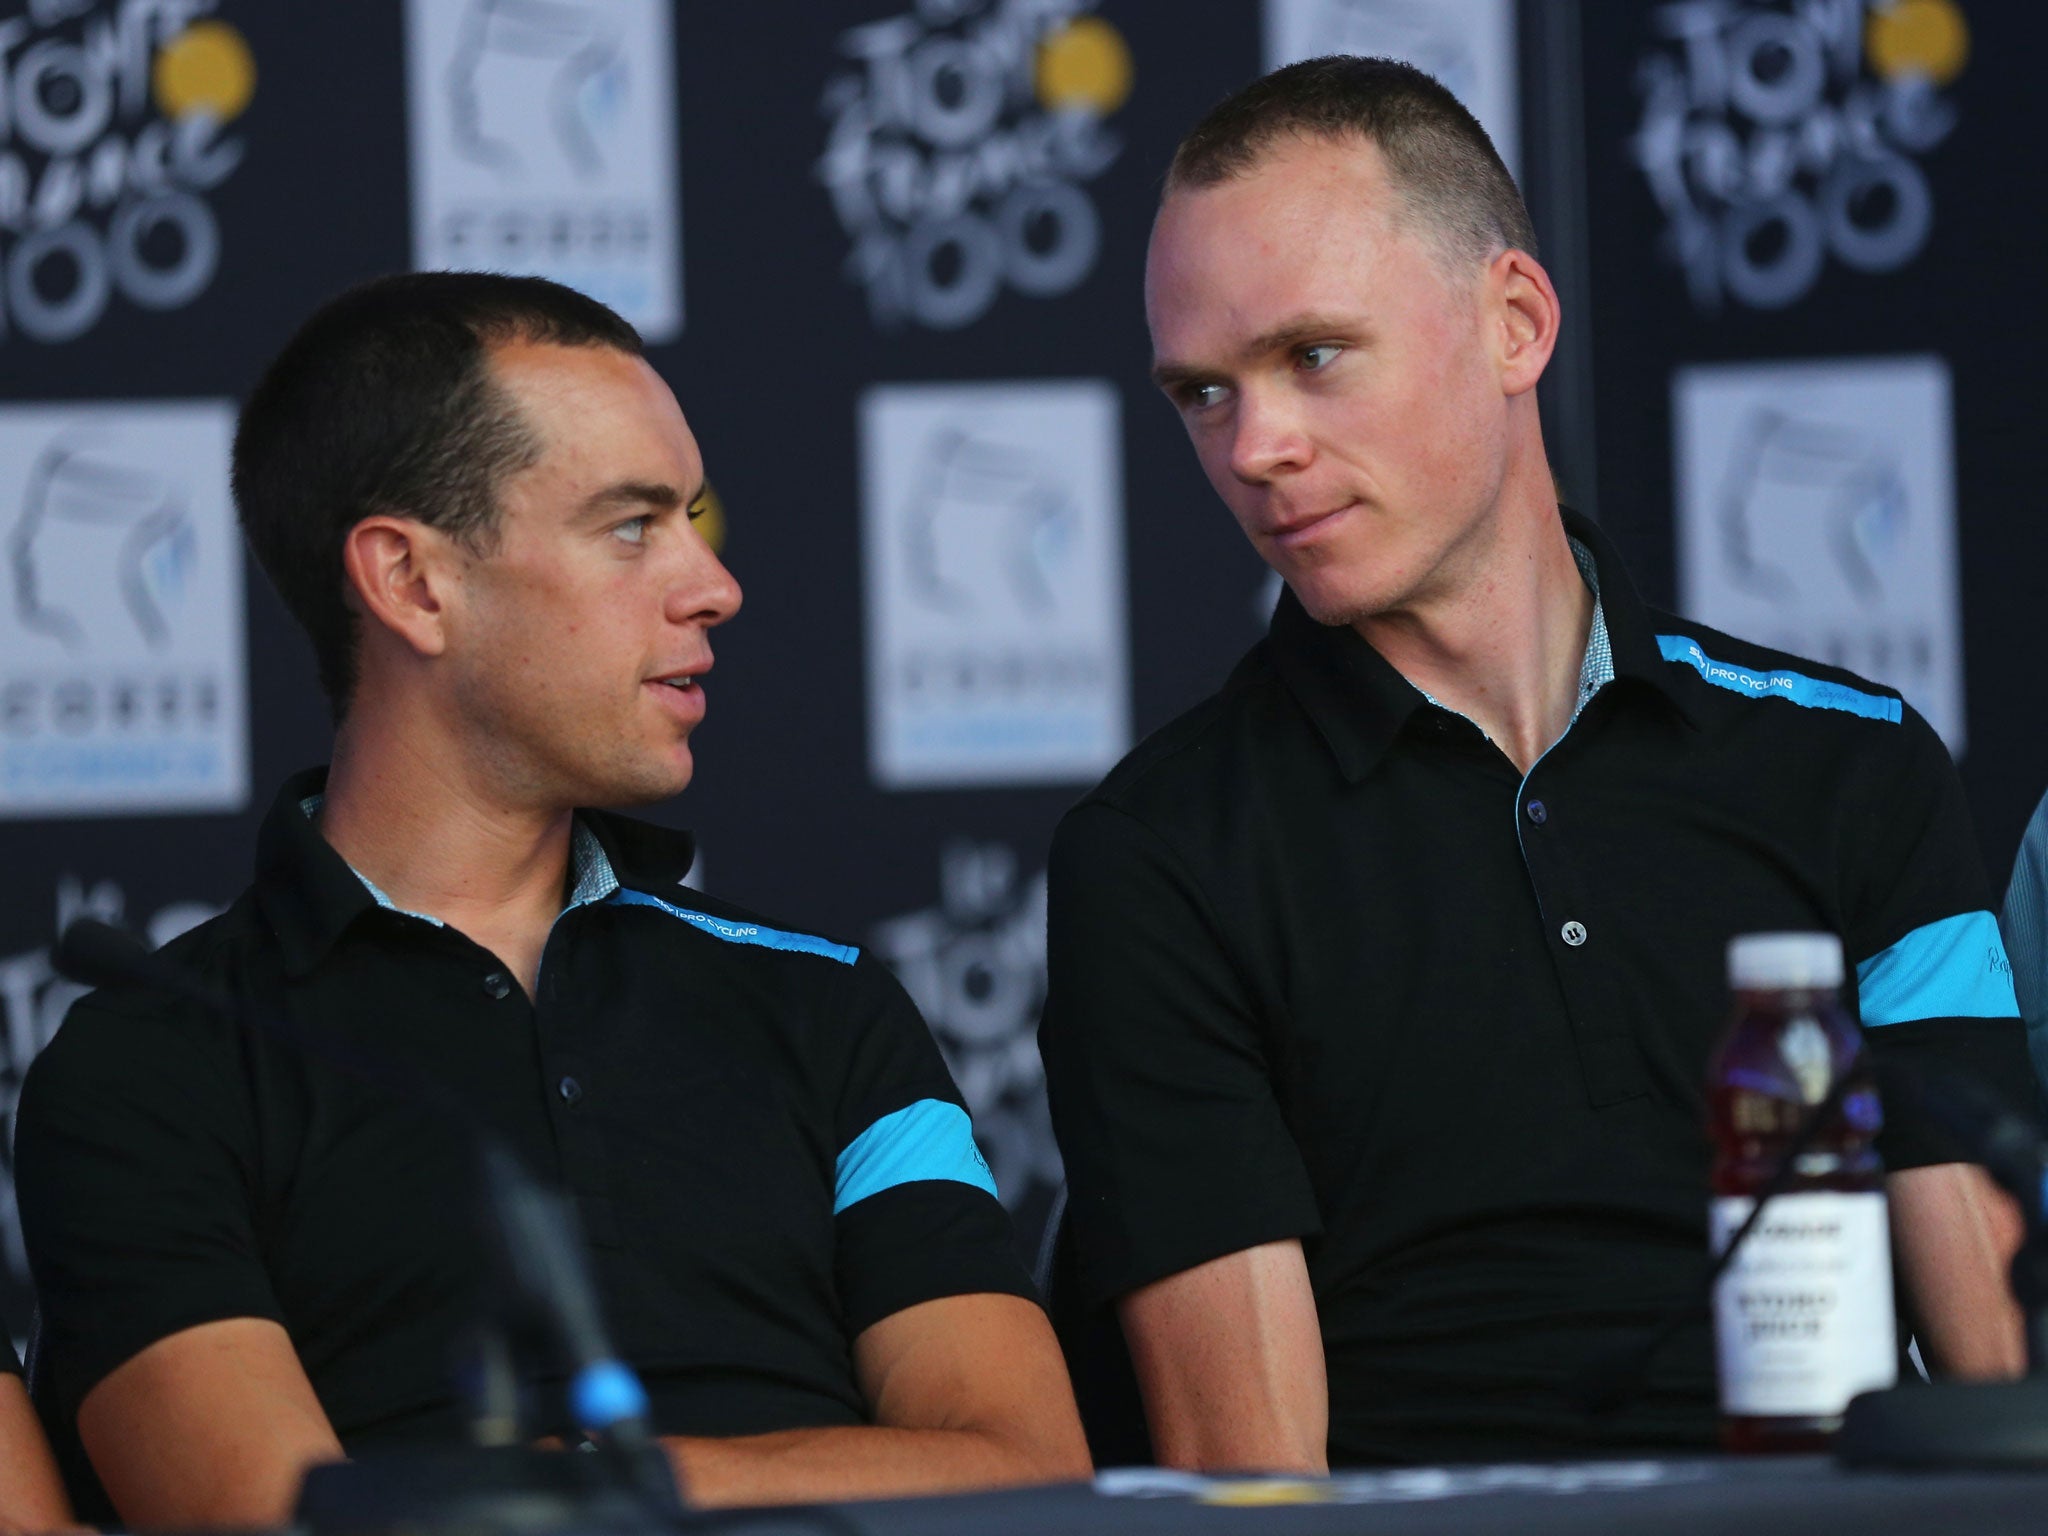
(1321, 355)
(1201, 396)
(632, 531)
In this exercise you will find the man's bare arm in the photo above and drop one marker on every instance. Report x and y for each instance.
(966, 1392)
(31, 1494)
(212, 1426)
(1229, 1358)
(1955, 1234)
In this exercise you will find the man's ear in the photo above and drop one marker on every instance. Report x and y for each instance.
(1526, 306)
(402, 573)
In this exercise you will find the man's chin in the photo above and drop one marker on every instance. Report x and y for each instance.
(1334, 604)
(642, 786)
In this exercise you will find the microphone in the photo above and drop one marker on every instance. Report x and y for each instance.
(539, 1250)
(96, 954)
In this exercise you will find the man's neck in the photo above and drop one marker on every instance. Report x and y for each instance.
(430, 831)
(1503, 645)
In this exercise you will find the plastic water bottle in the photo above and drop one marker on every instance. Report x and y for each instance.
(1803, 1316)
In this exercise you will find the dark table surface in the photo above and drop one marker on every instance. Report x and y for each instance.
(1779, 1496)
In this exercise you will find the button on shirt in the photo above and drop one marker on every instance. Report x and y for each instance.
(1325, 965)
(763, 1146)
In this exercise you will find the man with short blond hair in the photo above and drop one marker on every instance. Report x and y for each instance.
(1384, 982)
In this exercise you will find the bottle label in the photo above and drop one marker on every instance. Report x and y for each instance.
(1803, 1315)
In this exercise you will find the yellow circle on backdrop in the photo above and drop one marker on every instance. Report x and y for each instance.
(710, 518)
(1923, 37)
(1086, 63)
(205, 68)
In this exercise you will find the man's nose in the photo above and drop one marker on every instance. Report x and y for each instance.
(1267, 437)
(703, 591)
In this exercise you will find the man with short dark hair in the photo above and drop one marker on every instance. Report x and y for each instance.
(1383, 983)
(478, 498)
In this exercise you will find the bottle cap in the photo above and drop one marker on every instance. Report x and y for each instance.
(1762, 960)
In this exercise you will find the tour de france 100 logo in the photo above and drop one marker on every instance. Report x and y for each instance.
(961, 143)
(1776, 136)
(112, 119)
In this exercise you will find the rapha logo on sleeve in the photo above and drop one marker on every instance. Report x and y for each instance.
(1816, 514)
(1775, 135)
(122, 671)
(113, 128)
(993, 552)
(1468, 45)
(961, 143)
(543, 142)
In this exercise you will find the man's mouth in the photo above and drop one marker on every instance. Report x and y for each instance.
(1299, 529)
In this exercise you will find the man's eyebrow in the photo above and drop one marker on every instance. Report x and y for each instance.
(1293, 333)
(637, 493)
(1170, 376)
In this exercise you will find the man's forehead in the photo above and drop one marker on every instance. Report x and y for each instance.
(1245, 255)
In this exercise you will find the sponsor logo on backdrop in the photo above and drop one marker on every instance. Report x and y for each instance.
(962, 142)
(975, 966)
(543, 142)
(122, 670)
(33, 1002)
(1776, 136)
(1816, 513)
(992, 542)
(1468, 45)
(113, 118)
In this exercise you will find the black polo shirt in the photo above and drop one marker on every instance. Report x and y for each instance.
(763, 1145)
(1325, 965)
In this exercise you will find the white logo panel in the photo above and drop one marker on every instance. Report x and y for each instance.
(992, 536)
(1468, 45)
(1816, 514)
(123, 678)
(543, 142)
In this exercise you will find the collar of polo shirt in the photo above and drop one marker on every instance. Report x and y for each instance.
(1360, 703)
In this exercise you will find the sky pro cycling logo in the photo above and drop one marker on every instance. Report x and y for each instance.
(1775, 135)
(111, 118)
(961, 142)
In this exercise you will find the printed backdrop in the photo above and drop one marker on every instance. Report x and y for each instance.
(888, 252)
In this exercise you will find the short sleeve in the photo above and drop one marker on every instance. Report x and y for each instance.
(2024, 924)
(1934, 987)
(915, 1211)
(134, 1166)
(1175, 1147)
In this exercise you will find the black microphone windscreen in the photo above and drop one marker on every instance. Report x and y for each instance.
(98, 954)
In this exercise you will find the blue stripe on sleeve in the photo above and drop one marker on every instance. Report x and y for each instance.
(742, 933)
(1794, 687)
(1954, 968)
(930, 1139)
